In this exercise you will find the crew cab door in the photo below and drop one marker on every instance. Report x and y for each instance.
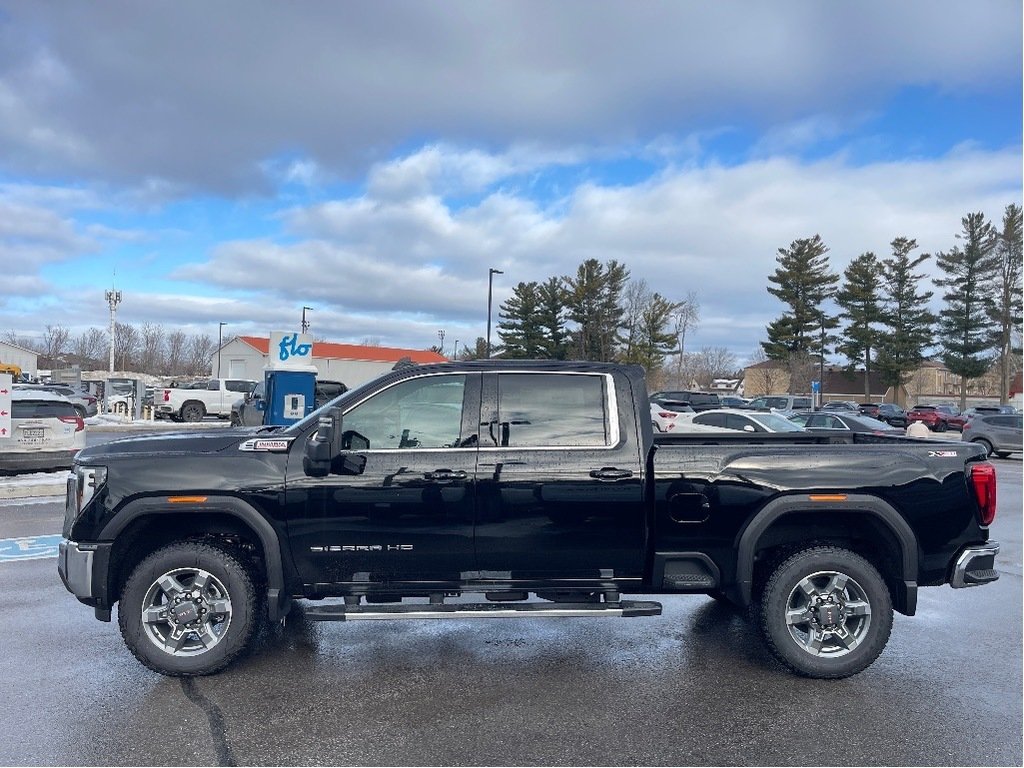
(400, 505)
(559, 481)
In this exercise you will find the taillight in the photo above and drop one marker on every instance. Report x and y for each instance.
(78, 421)
(167, 395)
(668, 414)
(983, 479)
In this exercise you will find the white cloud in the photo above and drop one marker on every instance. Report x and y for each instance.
(107, 91)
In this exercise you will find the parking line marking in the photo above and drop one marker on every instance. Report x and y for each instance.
(29, 547)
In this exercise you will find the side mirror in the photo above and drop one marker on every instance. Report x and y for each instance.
(258, 403)
(324, 445)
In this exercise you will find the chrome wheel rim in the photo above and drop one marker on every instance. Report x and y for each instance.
(828, 614)
(186, 612)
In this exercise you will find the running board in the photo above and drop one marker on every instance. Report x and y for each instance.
(339, 612)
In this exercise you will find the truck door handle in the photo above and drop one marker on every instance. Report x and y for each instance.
(445, 474)
(610, 473)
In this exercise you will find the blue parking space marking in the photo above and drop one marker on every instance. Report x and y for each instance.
(29, 548)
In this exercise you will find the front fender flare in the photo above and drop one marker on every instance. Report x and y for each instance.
(278, 598)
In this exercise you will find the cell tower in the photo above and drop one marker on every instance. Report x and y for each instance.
(113, 299)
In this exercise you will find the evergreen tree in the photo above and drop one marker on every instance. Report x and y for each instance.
(965, 322)
(594, 302)
(804, 282)
(654, 337)
(1007, 310)
(519, 325)
(860, 301)
(551, 318)
(906, 321)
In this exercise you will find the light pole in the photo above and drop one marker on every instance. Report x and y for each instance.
(305, 325)
(455, 354)
(440, 335)
(490, 285)
(220, 343)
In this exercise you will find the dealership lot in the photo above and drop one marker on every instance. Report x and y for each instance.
(694, 686)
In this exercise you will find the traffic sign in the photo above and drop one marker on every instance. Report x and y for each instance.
(6, 387)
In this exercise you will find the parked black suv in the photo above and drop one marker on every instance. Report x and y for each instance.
(699, 401)
(888, 412)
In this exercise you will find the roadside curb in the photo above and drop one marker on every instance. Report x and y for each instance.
(28, 490)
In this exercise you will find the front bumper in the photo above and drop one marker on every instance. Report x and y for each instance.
(976, 565)
(75, 566)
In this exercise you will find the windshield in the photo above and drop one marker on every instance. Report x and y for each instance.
(875, 424)
(776, 423)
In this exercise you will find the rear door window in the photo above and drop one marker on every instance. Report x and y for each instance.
(550, 410)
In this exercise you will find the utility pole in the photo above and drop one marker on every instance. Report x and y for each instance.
(490, 284)
(305, 325)
(440, 335)
(455, 354)
(220, 343)
(113, 299)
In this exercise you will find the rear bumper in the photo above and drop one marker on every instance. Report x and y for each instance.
(976, 565)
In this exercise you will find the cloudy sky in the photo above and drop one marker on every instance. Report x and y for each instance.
(233, 162)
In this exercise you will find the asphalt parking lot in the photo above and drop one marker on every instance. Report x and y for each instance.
(692, 687)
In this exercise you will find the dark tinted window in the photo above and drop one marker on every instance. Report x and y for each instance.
(238, 385)
(801, 402)
(549, 409)
(734, 421)
(1003, 421)
(419, 413)
(710, 419)
(41, 409)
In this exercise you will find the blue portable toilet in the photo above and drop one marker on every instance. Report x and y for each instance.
(290, 379)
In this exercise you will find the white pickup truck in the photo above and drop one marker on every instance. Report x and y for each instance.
(193, 402)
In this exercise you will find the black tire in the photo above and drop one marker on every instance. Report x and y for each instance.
(193, 412)
(940, 427)
(844, 602)
(1002, 454)
(984, 444)
(81, 412)
(226, 588)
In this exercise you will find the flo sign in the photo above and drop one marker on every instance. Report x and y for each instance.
(290, 351)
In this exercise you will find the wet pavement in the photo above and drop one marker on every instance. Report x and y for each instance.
(692, 687)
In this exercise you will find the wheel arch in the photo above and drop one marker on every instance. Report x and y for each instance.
(778, 523)
(146, 519)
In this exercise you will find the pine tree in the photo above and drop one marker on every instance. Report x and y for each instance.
(1007, 310)
(519, 325)
(804, 282)
(965, 322)
(654, 338)
(860, 301)
(906, 321)
(594, 302)
(551, 318)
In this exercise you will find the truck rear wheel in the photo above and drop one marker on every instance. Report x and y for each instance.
(193, 412)
(188, 609)
(826, 612)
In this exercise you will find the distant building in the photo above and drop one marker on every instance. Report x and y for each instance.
(26, 359)
(245, 357)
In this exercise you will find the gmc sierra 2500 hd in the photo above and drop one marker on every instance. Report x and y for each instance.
(510, 479)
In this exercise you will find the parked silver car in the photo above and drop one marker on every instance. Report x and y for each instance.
(1000, 433)
(46, 432)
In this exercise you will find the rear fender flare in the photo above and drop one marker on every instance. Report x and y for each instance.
(857, 503)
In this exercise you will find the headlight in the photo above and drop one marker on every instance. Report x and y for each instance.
(83, 484)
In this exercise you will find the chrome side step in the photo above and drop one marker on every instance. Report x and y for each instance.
(341, 612)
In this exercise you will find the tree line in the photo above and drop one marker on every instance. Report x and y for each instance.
(599, 313)
(149, 348)
(882, 321)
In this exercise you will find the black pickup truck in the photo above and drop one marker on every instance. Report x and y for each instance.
(539, 489)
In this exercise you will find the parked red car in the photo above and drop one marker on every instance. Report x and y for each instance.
(932, 417)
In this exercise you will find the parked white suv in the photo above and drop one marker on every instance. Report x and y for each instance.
(46, 432)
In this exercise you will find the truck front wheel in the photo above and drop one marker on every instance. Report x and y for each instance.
(188, 609)
(826, 612)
